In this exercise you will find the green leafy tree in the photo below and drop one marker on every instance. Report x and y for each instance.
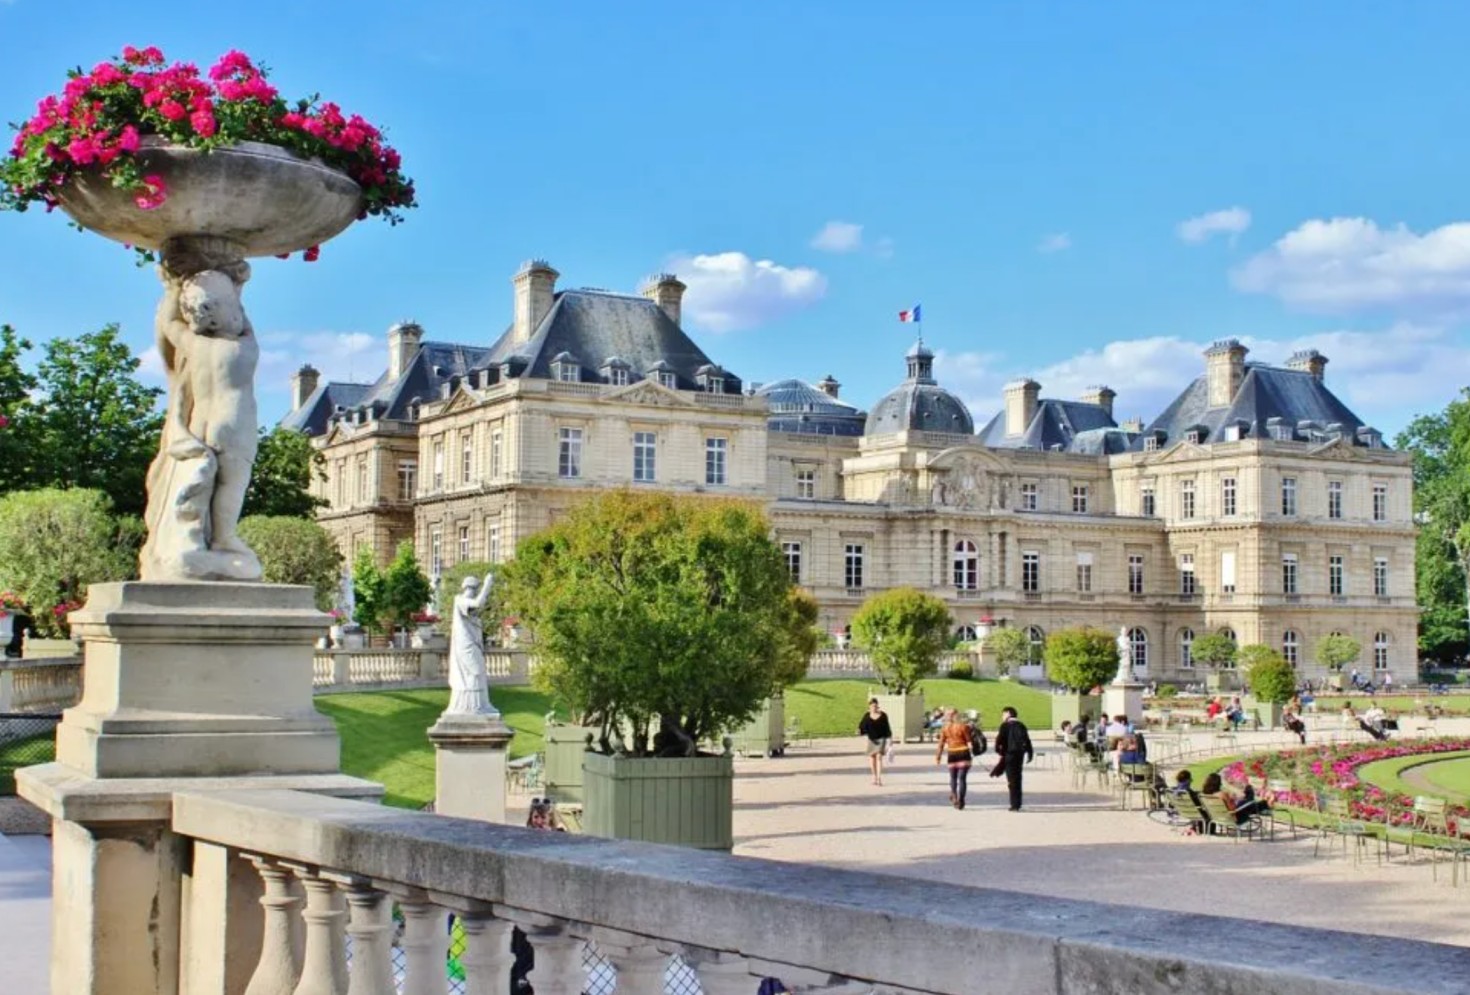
(644, 605)
(17, 415)
(54, 544)
(406, 591)
(1440, 444)
(1268, 675)
(1010, 647)
(449, 585)
(1336, 650)
(904, 632)
(1081, 658)
(295, 551)
(799, 638)
(367, 592)
(96, 425)
(280, 482)
(1214, 649)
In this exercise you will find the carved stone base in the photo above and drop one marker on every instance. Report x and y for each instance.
(470, 753)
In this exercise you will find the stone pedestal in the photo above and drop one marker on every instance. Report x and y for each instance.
(189, 686)
(470, 753)
(1124, 699)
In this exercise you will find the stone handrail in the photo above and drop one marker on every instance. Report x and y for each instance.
(856, 663)
(732, 920)
(44, 685)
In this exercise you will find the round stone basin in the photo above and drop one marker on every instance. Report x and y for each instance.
(260, 197)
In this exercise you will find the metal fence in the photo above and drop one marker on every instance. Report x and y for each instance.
(25, 738)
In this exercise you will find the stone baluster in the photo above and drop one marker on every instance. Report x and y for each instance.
(558, 969)
(371, 927)
(278, 970)
(324, 964)
(639, 962)
(722, 973)
(487, 956)
(425, 943)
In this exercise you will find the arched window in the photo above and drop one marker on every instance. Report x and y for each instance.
(966, 565)
(1186, 649)
(1229, 634)
(1138, 647)
(1290, 647)
(1037, 639)
(1380, 651)
(966, 634)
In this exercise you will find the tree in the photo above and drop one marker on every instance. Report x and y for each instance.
(1440, 444)
(295, 551)
(1213, 649)
(54, 544)
(17, 415)
(644, 605)
(406, 591)
(1010, 647)
(799, 638)
(280, 482)
(449, 585)
(367, 592)
(97, 426)
(1336, 650)
(1081, 658)
(1268, 675)
(904, 632)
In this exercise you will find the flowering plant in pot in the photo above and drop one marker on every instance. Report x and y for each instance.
(106, 123)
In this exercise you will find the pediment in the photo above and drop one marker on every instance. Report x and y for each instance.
(339, 432)
(967, 457)
(1181, 452)
(462, 400)
(649, 393)
(1340, 449)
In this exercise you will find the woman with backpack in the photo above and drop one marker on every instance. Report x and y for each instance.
(956, 745)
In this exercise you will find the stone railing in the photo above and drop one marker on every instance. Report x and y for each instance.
(333, 670)
(45, 685)
(292, 892)
(835, 664)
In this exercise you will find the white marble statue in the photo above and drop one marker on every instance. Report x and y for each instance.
(1125, 657)
(469, 684)
(197, 482)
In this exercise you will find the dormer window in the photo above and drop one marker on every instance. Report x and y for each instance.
(667, 379)
(566, 368)
(710, 378)
(1153, 441)
(615, 371)
(1194, 435)
(661, 374)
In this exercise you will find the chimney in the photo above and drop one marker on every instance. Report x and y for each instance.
(303, 385)
(403, 344)
(535, 286)
(667, 291)
(1022, 397)
(1134, 425)
(1225, 368)
(828, 385)
(1308, 361)
(1101, 396)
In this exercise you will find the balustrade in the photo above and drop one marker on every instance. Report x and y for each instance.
(40, 685)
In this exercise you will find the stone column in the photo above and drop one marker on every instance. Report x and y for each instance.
(470, 753)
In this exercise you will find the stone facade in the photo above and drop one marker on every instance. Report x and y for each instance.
(1234, 509)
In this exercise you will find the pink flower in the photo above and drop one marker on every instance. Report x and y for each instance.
(128, 140)
(154, 195)
(203, 123)
(82, 151)
(173, 110)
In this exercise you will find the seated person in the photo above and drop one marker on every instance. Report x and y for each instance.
(1213, 709)
(936, 720)
(1244, 804)
(1184, 786)
(1372, 722)
(1235, 714)
(1129, 753)
(1294, 724)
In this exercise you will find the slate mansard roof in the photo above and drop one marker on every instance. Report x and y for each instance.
(434, 365)
(797, 406)
(919, 404)
(1069, 426)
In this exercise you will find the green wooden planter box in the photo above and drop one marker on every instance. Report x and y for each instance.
(764, 735)
(686, 801)
(565, 745)
(1220, 680)
(1268, 713)
(905, 714)
(1070, 707)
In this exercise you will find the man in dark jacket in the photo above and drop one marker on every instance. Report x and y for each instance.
(1013, 743)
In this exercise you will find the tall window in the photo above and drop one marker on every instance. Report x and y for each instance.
(966, 634)
(1036, 650)
(1227, 496)
(341, 483)
(497, 453)
(438, 465)
(617, 377)
(806, 483)
(853, 566)
(1030, 497)
(1138, 649)
(436, 554)
(569, 457)
(1135, 573)
(1079, 499)
(363, 497)
(1084, 573)
(1334, 499)
(1291, 649)
(667, 379)
(492, 542)
(1288, 495)
(1147, 505)
(464, 544)
(1227, 571)
(1380, 502)
(1186, 649)
(1334, 576)
(1186, 499)
(792, 552)
(1380, 651)
(1186, 574)
(644, 453)
(1380, 576)
(966, 565)
(1030, 572)
(1288, 573)
(466, 458)
(714, 462)
(408, 479)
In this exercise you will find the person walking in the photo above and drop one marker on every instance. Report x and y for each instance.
(1013, 743)
(875, 726)
(954, 746)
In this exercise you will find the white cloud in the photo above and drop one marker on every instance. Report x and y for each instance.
(1230, 221)
(1058, 242)
(354, 357)
(730, 291)
(1342, 265)
(838, 236)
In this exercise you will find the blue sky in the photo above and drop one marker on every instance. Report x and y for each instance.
(1029, 172)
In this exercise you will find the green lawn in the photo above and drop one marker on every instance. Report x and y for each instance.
(1453, 704)
(834, 708)
(1454, 767)
(1452, 777)
(38, 749)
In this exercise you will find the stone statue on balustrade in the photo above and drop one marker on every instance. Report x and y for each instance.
(1125, 657)
(469, 683)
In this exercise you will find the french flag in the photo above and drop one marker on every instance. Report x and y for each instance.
(910, 316)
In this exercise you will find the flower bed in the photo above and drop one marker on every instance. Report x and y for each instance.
(1334, 769)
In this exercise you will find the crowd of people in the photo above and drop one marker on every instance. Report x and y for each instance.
(959, 742)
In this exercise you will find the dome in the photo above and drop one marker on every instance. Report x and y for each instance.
(919, 404)
(797, 406)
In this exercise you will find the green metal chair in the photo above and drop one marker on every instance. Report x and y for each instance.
(1134, 779)
(1223, 822)
(1347, 826)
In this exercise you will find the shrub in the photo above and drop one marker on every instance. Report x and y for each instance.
(1081, 658)
(962, 671)
(1336, 650)
(904, 631)
(1213, 649)
(1010, 647)
(1268, 675)
(1166, 691)
(295, 551)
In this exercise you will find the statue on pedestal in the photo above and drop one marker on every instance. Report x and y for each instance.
(1125, 657)
(469, 684)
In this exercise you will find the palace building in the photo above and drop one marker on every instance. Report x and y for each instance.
(1256, 503)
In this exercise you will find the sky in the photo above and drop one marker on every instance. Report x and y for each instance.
(1079, 192)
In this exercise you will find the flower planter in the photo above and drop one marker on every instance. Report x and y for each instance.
(565, 746)
(1267, 713)
(1070, 706)
(685, 801)
(1217, 680)
(49, 649)
(764, 735)
(905, 714)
